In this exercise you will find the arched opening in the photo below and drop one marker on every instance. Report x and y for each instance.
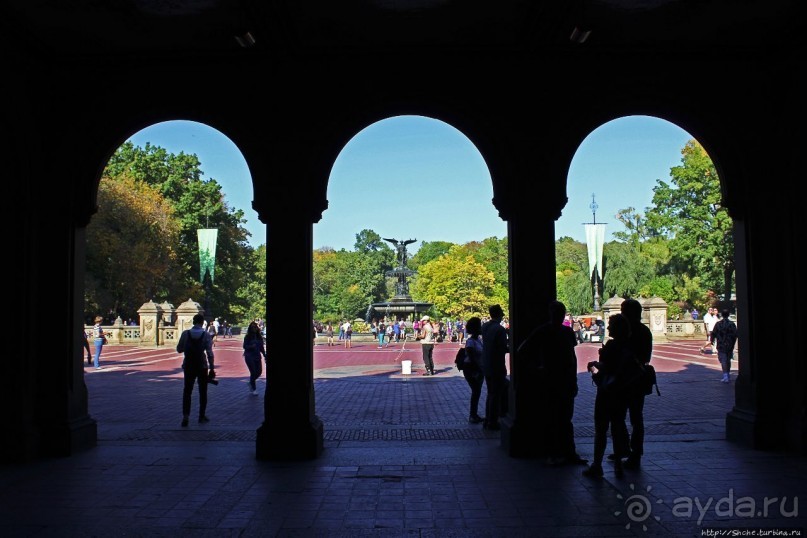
(652, 193)
(419, 181)
(169, 190)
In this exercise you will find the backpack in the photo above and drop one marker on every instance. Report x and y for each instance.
(195, 350)
(459, 359)
(649, 380)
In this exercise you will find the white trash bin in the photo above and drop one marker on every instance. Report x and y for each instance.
(406, 367)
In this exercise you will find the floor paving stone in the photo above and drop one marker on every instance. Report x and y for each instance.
(400, 460)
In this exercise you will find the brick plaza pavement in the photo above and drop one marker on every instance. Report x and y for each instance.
(400, 459)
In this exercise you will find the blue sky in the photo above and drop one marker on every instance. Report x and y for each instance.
(411, 177)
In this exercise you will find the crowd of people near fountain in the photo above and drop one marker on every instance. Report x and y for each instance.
(394, 330)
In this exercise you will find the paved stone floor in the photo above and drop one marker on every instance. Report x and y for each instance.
(400, 459)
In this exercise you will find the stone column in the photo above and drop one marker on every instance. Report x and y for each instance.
(530, 208)
(150, 316)
(291, 429)
(532, 273)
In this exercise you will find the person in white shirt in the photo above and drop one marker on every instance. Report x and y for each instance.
(427, 343)
(348, 330)
(710, 319)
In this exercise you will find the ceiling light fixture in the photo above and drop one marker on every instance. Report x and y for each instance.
(579, 36)
(246, 40)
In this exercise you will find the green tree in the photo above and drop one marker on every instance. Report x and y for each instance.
(457, 285)
(346, 283)
(196, 204)
(326, 283)
(493, 254)
(428, 251)
(368, 241)
(625, 270)
(635, 228)
(572, 281)
(380, 259)
(132, 256)
(574, 289)
(571, 255)
(156, 166)
(689, 212)
(251, 302)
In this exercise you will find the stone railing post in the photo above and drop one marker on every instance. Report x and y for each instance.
(150, 316)
(117, 335)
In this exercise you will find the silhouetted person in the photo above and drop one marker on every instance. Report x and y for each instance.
(197, 346)
(254, 351)
(494, 366)
(550, 364)
(472, 370)
(641, 343)
(612, 373)
(725, 333)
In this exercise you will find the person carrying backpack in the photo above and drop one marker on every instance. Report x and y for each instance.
(197, 366)
(725, 334)
(641, 343)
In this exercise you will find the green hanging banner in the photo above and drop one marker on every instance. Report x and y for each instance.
(207, 252)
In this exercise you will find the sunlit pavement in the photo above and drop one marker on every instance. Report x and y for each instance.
(400, 459)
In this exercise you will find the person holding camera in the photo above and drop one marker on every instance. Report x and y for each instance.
(197, 365)
(614, 375)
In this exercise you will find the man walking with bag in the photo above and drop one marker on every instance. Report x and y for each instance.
(197, 345)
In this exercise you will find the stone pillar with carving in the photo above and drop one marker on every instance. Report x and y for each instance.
(609, 308)
(169, 312)
(654, 314)
(150, 315)
(185, 313)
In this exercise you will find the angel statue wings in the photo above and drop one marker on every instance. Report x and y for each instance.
(400, 246)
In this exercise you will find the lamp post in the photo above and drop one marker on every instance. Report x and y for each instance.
(595, 238)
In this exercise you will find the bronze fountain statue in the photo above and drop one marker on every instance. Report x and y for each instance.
(402, 304)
